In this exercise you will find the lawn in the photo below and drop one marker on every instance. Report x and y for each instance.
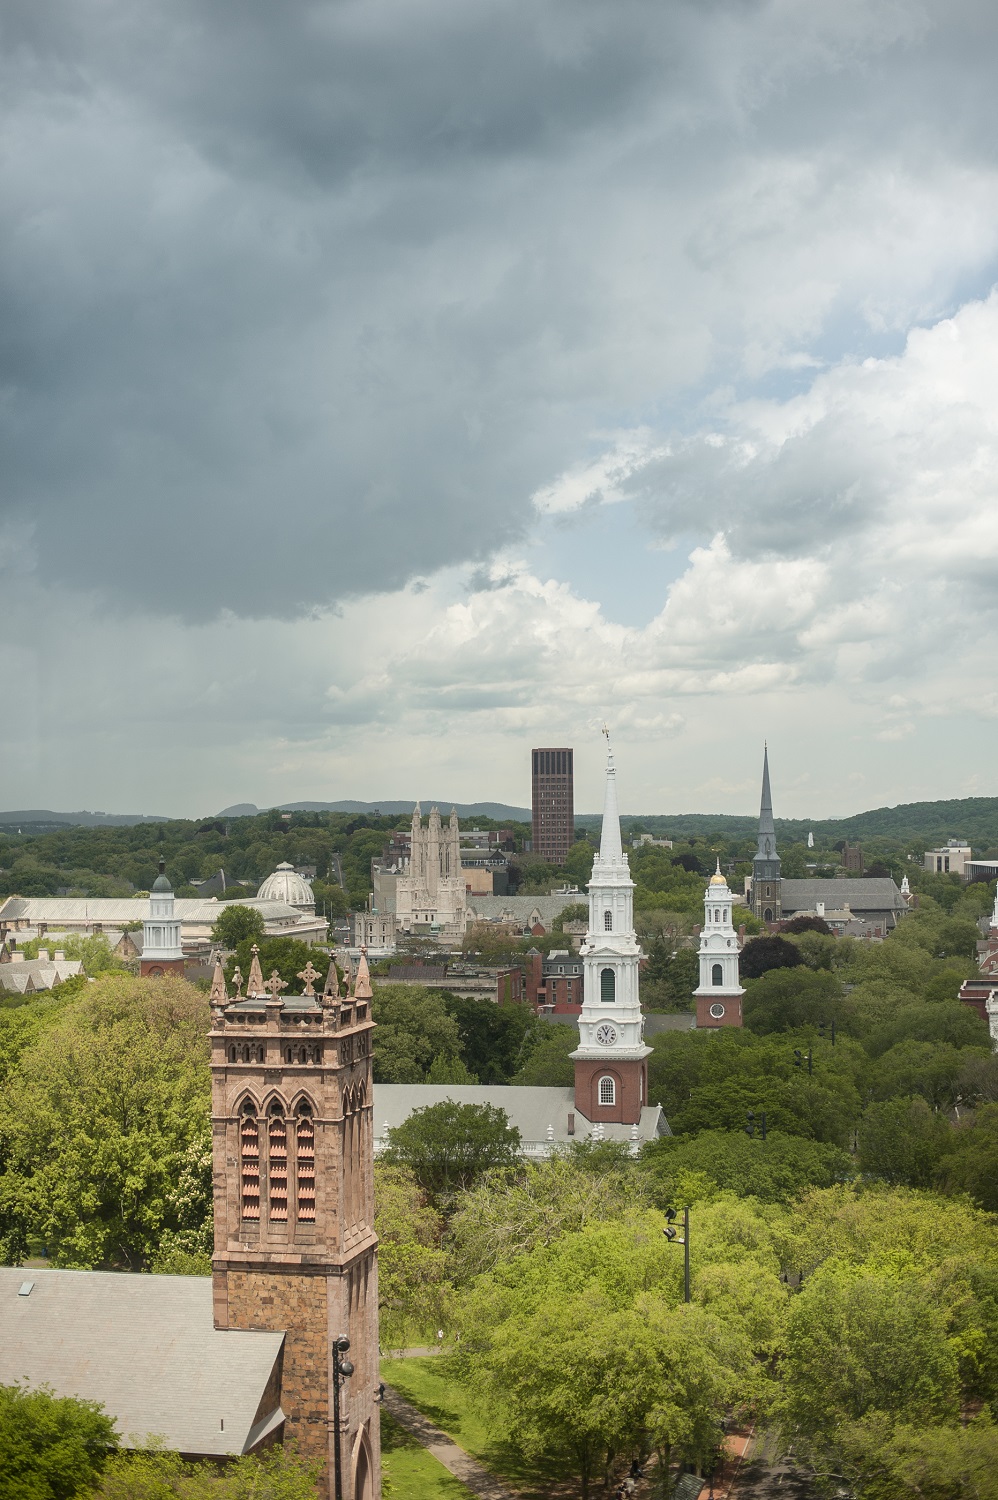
(411, 1472)
(431, 1387)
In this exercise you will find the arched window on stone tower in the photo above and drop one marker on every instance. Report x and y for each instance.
(716, 974)
(278, 1162)
(608, 921)
(305, 1140)
(607, 986)
(249, 1146)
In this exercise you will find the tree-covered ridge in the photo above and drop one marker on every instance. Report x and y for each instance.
(924, 823)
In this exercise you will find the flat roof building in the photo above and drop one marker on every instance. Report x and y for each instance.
(553, 803)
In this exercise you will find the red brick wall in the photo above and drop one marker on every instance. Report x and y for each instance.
(732, 1011)
(631, 1078)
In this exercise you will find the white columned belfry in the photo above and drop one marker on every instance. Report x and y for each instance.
(719, 995)
(162, 952)
(610, 1068)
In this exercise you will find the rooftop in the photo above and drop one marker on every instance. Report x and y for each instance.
(147, 1349)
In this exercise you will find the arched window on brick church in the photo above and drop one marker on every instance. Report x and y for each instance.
(305, 1138)
(608, 921)
(249, 1147)
(607, 986)
(607, 1091)
(278, 1162)
(716, 974)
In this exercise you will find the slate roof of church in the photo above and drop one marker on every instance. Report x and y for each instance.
(519, 908)
(875, 894)
(146, 1348)
(531, 1110)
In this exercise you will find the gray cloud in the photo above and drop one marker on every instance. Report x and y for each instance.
(304, 301)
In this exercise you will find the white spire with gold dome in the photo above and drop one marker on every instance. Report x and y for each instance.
(610, 1068)
(719, 996)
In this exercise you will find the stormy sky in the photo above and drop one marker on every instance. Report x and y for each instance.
(391, 385)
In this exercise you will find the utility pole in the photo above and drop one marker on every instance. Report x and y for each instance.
(342, 1368)
(670, 1233)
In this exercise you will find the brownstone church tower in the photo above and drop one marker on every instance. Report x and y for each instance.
(295, 1248)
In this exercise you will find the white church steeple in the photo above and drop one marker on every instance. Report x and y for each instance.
(719, 996)
(611, 1079)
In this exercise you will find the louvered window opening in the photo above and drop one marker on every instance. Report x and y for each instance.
(306, 1169)
(250, 1150)
(278, 1168)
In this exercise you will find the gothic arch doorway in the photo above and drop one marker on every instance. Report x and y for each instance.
(363, 1486)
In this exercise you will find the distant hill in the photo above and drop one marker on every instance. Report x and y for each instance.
(929, 823)
(495, 810)
(41, 820)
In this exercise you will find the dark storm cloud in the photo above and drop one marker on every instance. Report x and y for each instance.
(301, 301)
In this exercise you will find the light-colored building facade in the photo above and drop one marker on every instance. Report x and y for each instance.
(950, 860)
(34, 916)
(430, 893)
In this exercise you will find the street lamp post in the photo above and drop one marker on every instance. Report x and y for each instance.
(342, 1368)
(670, 1233)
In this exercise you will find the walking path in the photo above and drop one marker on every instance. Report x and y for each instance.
(445, 1450)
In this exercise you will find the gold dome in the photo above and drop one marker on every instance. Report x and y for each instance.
(718, 879)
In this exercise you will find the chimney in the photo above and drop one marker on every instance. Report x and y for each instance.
(43, 955)
(571, 1122)
(60, 957)
(819, 907)
(17, 958)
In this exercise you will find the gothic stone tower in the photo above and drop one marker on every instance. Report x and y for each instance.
(611, 1072)
(766, 886)
(719, 996)
(295, 1248)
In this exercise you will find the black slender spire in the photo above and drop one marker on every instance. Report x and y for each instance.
(766, 865)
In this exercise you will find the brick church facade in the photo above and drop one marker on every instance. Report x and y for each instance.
(295, 1248)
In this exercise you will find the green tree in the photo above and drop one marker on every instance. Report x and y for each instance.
(278, 1475)
(947, 1022)
(51, 1447)
(548, 1064)
(930, 1069)
(448, 1146)
(97, 1121)
(858, 1343)
(902, 1142)
(775, 1170)
(493, 1037)
(237, 924)
(971, 1163)
(785, 999)
(411, 1264)
(503, 1217)
(415, 1030)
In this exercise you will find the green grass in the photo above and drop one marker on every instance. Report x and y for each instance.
(430, 1386)
(412, 1473)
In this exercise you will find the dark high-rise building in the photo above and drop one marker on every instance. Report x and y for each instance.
(553, 804)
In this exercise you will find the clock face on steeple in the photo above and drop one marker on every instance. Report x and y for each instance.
(606, 1034)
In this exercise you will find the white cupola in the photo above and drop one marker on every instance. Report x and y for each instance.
(719, 995)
